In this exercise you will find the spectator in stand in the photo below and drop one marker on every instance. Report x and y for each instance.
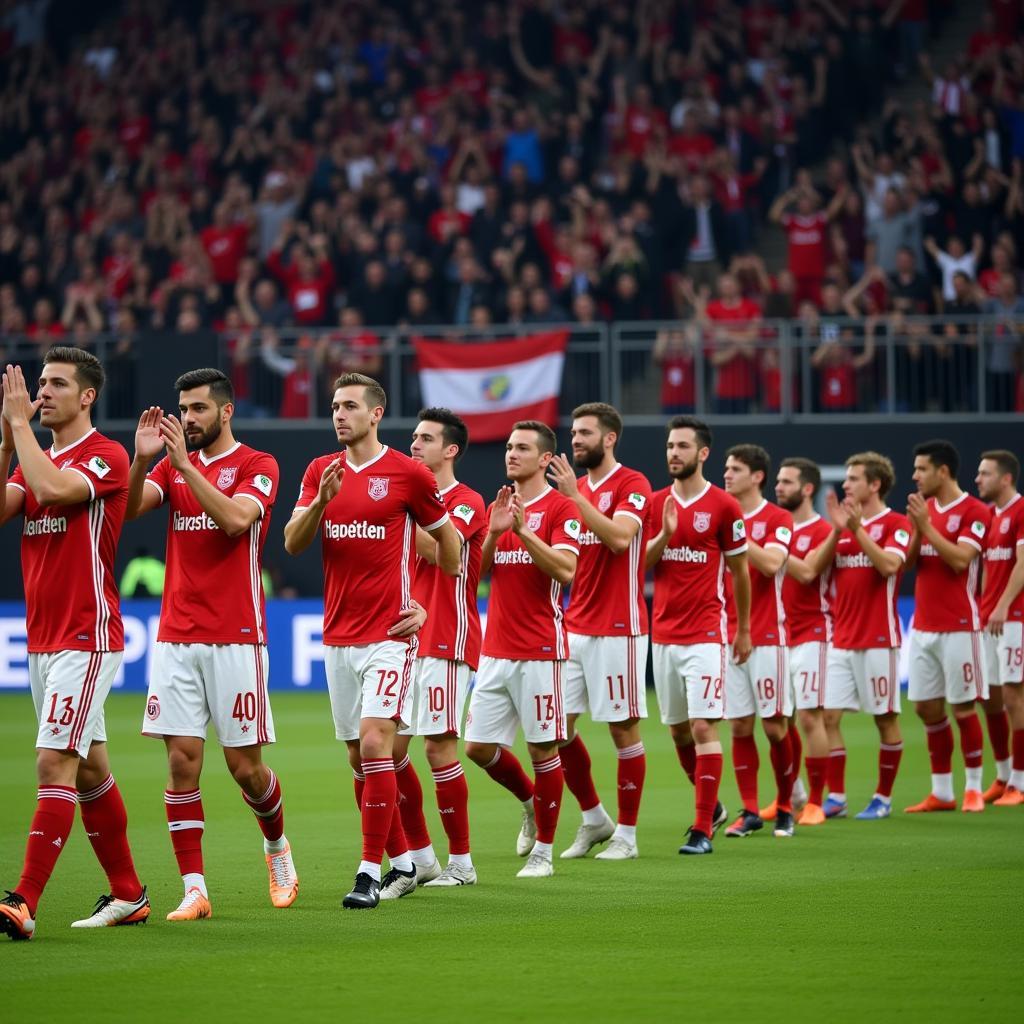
(1003, 346)
(896, 229)
(955, 259)
(835, 360)
(732, 326)
(674, 356)
(806, 233)
(307, 277)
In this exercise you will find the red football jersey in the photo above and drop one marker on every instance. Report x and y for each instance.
(771, 527)
(67, 552)
(864, 601)
(524, 617)
(806, 236)
(607, 595)
(808, 616)
(946, 601)
(213, 590)
(452, 629)
(1002, 549)
(368, 541)
(689, 578)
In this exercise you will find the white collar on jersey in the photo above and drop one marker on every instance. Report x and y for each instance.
(952, 504)
(527, 504)
(223, 455)
(687, 502)
(877, 515)
(806, 522)
(454, 483)
(1013, 501)
(753, 512)
(600, 483)
(369, 462)
(54, 454)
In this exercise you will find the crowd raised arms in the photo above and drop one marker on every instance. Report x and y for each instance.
(781, 611)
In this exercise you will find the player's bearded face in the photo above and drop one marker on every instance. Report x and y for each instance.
(987, 481)
(586, 456)
(788, 494)
(683, 464)
(199, 435)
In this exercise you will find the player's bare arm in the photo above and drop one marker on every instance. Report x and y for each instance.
(426, 546)
(233, 515)
(741, 645)
(449, 548)
(957, 555)
(821, 557)
(1014, 586)
(305, 522)
(500, 521)
(669, 522)
(558, 564)
(615, 532)
(767, 560)
(410, 621)
(148, 445)
(50, 485)
(12, 499)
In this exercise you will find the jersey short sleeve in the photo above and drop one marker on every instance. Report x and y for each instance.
(565, 528)
(310, 485)
(635, 500)
(105, 472)
(17, 479)
(260, 482)
(897, 536)
(780, 536)
(974, 526)
(732, 530)
(425, 502)
(160, 477)
(468, 517)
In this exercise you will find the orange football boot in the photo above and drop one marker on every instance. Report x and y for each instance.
(974, 802)
(768, 813)
(994, 792)
(193, 907)
(812, 814)
(931, 803)
(15, 917)
(1013, 797)
(284, 883)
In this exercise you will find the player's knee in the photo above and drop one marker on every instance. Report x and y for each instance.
(56, 767)
(480, 753)
(440, 751)
(682, 735)
(625, 734)
(183, 767)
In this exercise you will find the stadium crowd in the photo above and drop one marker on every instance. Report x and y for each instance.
(264, 168)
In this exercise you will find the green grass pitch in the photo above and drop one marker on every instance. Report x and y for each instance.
(914, 918)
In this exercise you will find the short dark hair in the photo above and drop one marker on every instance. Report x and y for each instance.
(218, 382)
(373, 391)
(88, 369)
(546, 440)
(754, 457)
(607, 416)
(453, 429)
(876, 467)
(809, 471)
(941, 453)
(699, 427)
(1006, 461)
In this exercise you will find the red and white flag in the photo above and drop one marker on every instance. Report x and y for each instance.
(492, 384)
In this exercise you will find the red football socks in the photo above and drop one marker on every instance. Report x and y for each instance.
(631, 774)
(817, 768)
(506, 770)
(999, 734)
(186, 823)
(782, 767)
(576, 768)
(453, 805)
(47, 837)
(835, 773)
(889, 757)
(709, 777)
(269, 809)
(746, 762)
(971, 740)
(688, 759)
(940, 746)
(410, 804)
(547, 796)
(380, 793)
(106, 824)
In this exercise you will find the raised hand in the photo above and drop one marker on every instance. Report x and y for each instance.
(18, 407)
(669, 516)
(917, 511)
(148, 442)
(518, 513)
(501, 512)
(835, 510)
(330, 482)
(173, 437)
(563, 476)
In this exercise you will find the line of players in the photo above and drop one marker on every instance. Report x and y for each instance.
(745, 597)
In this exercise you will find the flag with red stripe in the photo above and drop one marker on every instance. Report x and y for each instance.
(492, 384)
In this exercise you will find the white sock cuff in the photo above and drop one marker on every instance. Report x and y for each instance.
(494, 760)
(549, 765)
(400, 766)
(452, 771)
(625, 753)
(94, 794)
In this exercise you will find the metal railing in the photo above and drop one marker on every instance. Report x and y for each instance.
(785, 371)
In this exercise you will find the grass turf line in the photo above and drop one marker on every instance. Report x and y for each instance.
(919, 916)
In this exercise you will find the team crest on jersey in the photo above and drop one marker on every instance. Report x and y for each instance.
(875, 533)
(226, 477)
(701, 521)
(1004, 526)
(758, 530)
(604, 501)
(803, 543)
(953, 524)
(377, 487)
(533, 520)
